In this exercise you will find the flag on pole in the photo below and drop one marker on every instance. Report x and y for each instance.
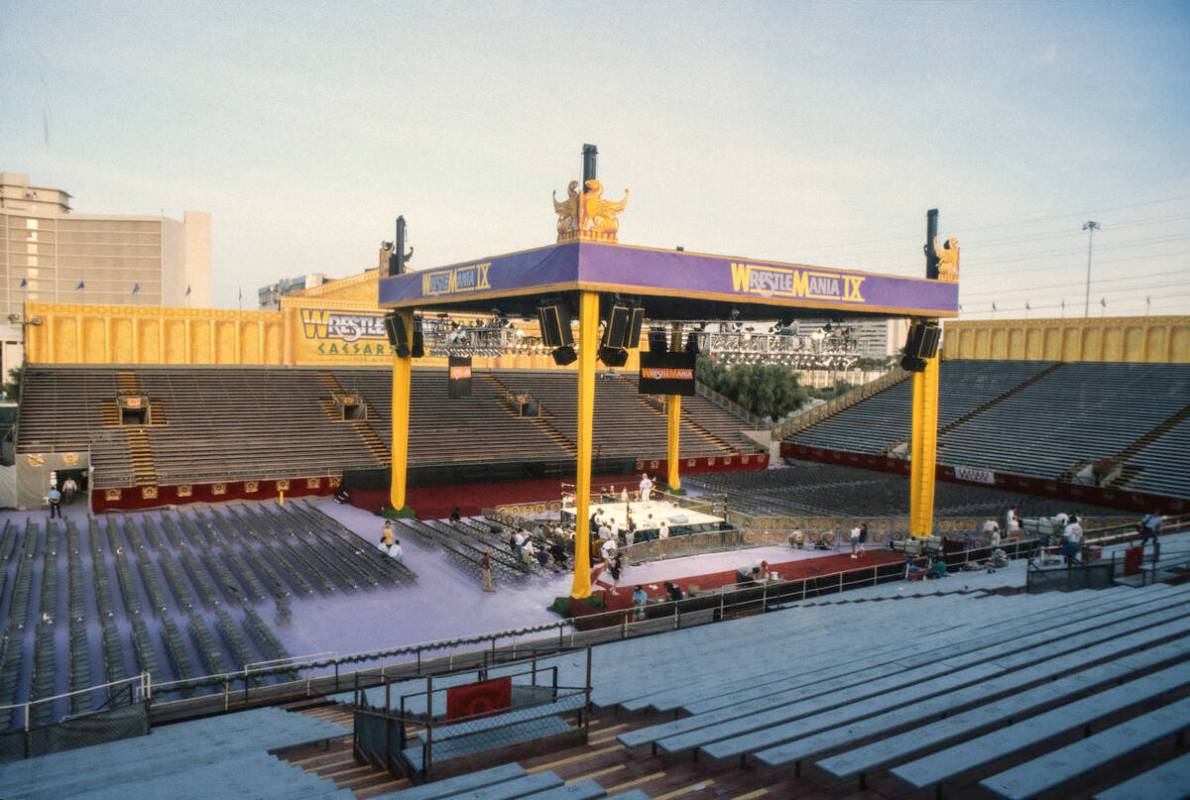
(80, 287)
(136, 288)
(1103, 302)
(1027, 306)
(187, 290)
(993, 305)
(24, 282)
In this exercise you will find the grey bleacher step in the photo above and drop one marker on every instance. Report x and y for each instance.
(1170, 781)
(490, 739)
(974, 663)
(1053, 769)
(438, 790)
(695, 699)
(996, 692)
(753, 739)
(524, 786)
(761, 697)
(966, 724)
(972, 753)
(631, 794)
(583, 790)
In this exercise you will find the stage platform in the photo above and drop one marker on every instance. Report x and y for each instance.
(647, 517)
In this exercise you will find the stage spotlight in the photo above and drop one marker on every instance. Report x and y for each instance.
(564, 355)
(613, 356)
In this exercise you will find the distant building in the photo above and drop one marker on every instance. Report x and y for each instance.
(270, 296)
(48, 254)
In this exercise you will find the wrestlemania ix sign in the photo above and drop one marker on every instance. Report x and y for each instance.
(458, 382)
(667, 373)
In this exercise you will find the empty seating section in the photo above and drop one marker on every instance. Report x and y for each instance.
(257, 423)
(63, 409)
(478, 428)
(178, 595)
(883, 420)
(625, 424)
(1035, 418)
(928, 702)
(247, 423)
(1077, 413)
(1163, 465)
(811, 488)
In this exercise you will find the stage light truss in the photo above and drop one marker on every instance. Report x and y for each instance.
(827, 347)
(482, 338)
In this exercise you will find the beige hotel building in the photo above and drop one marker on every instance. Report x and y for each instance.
(46, 252)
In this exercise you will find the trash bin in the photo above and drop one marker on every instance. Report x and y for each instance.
(1132, 560)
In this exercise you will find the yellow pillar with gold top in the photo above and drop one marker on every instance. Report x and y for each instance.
(402, 374)
(923, 450)
(588, 346)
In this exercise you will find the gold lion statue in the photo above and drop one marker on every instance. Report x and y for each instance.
(567, 212)
(948, 259)
(598, 217)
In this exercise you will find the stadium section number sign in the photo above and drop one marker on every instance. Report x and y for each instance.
(975, 475)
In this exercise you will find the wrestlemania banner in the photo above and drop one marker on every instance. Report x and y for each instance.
(458, 383)
(667, 373)
(675, 273)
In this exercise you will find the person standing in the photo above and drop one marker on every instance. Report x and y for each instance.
(1150, 528)
(1072, 541)
(639, 600)
(1012, 521)
(663, 531)
(646, 487)
(485, 569)
(69, 489)
(55, 500)
(855, 532)
(624, 495)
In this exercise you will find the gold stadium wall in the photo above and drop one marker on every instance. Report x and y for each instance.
(337, 324)
(1109, 339)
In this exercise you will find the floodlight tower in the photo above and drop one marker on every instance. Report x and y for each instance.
(1090, 227)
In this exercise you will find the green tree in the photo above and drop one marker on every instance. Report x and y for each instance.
(12, 387)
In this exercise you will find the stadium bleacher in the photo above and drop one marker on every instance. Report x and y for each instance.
(810, 488)
(1036, 419)
(258, 423)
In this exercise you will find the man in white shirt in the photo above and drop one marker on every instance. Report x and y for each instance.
(624, 495)
(855, 532)
(663, 531)
(646, 487)
(991, 529)
(1072, 539)
(395, 551)
(528, 552)
(608, 550)
(1012, 521)
(605, 532)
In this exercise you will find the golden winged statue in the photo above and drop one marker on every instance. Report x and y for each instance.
(567, 212)
(598, 218)
(948, 259)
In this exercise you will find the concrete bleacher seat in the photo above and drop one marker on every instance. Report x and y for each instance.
(201, 752)
(1053, 769)
(451, 787)
(1166, 782)
(490, 785)
(1045, 420)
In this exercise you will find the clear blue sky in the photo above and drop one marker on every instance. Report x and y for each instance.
(793, 131)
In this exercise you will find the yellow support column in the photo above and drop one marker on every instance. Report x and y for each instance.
(588, 345)
(673, 410)
(924, 450)
(402, 373)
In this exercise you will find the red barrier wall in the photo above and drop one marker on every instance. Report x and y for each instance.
(134, 498)
(1095, 495)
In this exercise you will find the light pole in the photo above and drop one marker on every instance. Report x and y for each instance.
(1090, 227)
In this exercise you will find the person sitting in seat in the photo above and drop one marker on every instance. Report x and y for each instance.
(663, 531)
(673, 591)
(395, 551)
(528, 552)
(558, 553)
(639, 601)
(937, 568)
(455, 516)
